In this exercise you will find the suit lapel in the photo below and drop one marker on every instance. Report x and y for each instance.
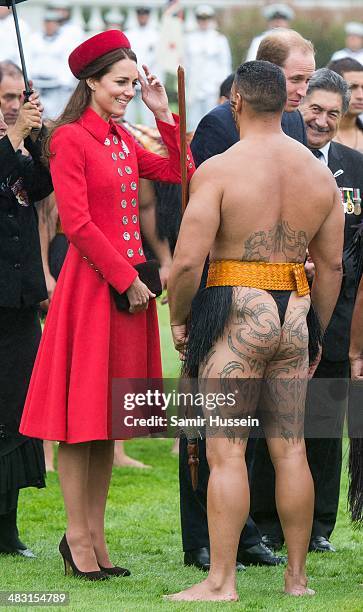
(336, 163)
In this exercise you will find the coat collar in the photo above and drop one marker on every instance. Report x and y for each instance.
(95, 125)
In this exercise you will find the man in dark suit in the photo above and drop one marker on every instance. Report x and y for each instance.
(23, 180)
(215, 134)
(326, 102)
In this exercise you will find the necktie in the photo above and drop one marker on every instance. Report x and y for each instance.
(318, 154)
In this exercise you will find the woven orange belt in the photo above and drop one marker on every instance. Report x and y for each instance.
(258, 274)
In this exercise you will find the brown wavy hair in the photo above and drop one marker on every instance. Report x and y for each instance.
(81, 97)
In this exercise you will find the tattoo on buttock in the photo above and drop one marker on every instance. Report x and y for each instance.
(281, 239)
(252, 338)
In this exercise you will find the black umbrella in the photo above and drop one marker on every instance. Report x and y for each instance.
(12, 4)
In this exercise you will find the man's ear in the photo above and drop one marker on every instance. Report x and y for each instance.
(238, 102)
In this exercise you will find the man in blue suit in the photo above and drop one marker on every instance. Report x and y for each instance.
(215, 134)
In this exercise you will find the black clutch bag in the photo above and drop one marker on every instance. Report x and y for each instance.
(149, 274)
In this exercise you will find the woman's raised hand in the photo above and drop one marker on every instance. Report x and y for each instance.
(154, 95)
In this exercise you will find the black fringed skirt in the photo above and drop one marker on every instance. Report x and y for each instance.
(21, 458)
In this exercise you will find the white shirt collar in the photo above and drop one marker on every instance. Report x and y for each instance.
(325, 151)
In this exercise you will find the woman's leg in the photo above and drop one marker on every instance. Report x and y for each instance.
(73, 468)
(99, 476)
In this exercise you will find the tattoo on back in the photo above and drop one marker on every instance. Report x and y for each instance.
(260, 246)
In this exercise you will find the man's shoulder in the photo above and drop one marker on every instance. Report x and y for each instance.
(293, 120)
(293, 125)
(215, 133)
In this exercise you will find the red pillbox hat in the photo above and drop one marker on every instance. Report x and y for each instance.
(95, 47)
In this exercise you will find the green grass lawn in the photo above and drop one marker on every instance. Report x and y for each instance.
(143, 532)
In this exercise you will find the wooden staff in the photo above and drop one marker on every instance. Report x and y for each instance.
(183, 137)
(192, 446)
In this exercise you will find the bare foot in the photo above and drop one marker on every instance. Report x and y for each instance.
(296, 585)
(126, 461)
(120, 458)
(204, 591)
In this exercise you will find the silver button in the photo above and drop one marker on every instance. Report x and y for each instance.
(130, 253)
(133, 202)
(188, 157)
(127, 236)
(85, 258)
(190, 165)
(115, 139)
(119, 171)
(123, 187)
(123, 203)
(125, 148)
(107, 142)
(134, 218)
(133, 186)
(114, 156)
(137, 235)
(121, 155)
(128, 170)
(141, 252)
(125, 220)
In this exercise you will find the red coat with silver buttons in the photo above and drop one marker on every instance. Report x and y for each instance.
(87, 343)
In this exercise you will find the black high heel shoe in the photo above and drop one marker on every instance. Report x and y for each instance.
(115, 571)
(70, 565)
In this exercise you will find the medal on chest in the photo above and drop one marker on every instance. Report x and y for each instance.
(351, 200)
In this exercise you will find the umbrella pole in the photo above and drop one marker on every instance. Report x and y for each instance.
(28, 91)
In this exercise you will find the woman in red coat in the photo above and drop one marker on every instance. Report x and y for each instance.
(87, 343)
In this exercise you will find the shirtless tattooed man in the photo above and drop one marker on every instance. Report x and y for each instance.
(255, 210)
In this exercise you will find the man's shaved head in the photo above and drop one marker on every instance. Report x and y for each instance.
(262, 86)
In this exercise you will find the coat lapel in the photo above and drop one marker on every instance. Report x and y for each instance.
(336, 163)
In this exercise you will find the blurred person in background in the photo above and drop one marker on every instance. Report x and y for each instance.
(207, 62)
(49, 52)
(23, 180)
(277, 16)
(144, 38)
(350, 132)
(9, 46)
(353, 42)
(70, 30)
(113, 19)
(225, 89)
